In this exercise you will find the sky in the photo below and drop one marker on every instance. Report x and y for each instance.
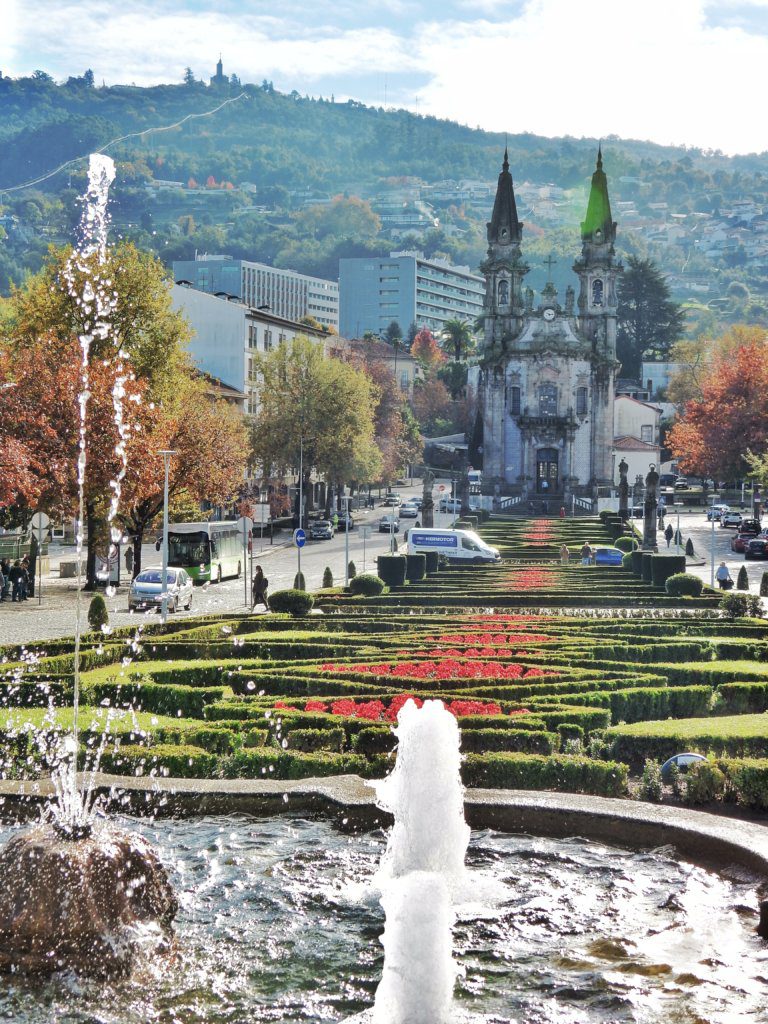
(688, 72)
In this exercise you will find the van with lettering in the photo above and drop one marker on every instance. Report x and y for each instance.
(463, 546)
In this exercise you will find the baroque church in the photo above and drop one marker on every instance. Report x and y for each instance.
(545, 378)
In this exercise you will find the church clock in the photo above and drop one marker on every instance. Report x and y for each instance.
(549, 314)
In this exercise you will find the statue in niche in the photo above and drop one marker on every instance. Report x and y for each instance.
(623, 491)
(597, 292)
(503, 292)
(427, 503)
(649, 508)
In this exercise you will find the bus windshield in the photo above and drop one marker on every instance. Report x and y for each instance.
(188, 549)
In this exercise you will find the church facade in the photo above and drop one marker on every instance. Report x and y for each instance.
(545, 377)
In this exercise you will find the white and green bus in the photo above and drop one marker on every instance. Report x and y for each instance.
(208, 551)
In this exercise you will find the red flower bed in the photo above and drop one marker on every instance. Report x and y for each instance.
(531, 579)
(490, 639)
(376, 711)
(445, 668)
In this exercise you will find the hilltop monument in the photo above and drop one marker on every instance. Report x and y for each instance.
(545, 379)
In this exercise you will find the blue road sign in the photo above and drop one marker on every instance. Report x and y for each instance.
(299, 538)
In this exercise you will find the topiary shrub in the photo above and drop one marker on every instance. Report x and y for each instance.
(416, 568)
(689, 548)
(706, 783)
(391, 569)
(736, 606)
(637, 562)
(366, 584)
(626, 562)
(651, 787)
(299, 583)
(433, 562)
(646, 571)
(352, 570)
(327, 578)
(98, 615)
(742, 580)
(683, 584)
(764, 585)
(295, 602)
(664, 566)
(625, 543)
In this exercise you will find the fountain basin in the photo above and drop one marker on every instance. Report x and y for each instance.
(80, 904)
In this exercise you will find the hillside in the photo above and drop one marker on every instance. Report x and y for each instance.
(257, 178)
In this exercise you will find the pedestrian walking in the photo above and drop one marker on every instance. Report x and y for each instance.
(16, 575)
(723, 577)
(562, 511)
(565, 554)
(129, 559)
(669, 533)
(586, 554)
(259, 588)
(25, 580)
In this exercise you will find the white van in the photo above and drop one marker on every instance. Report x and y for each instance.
(456, 545)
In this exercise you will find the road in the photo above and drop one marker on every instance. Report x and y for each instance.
(54, 615)
(705, 540)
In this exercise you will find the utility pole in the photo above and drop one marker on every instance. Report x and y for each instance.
(166, 453)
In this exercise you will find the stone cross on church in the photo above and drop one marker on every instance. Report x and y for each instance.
(544, 381)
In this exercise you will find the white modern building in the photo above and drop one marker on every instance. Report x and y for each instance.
(226, 335)
(282, 292)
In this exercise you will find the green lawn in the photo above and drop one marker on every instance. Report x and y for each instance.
(100, 719)
(733, 726)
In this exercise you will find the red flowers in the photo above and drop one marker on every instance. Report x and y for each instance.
(490, 639)
(444, 669)
(531, 579)
(376, 711)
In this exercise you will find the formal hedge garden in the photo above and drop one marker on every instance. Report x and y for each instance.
(561, 676)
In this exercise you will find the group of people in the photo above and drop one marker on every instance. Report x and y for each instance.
(587, 554)
(17, 580)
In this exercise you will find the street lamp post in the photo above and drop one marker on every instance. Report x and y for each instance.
(346, 499)
(166, 453)
(712, 545)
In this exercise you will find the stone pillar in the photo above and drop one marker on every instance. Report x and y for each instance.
(427, 503)
(623, 491)
(649, 508)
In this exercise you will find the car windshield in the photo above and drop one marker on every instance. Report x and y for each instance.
(154, 576)
(188, 548)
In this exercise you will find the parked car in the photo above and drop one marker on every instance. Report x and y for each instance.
(757, 548)
(344, 522)
(730, 519)
(638, 512)
(715, 511)
(750, 526)
(389, 524)
(681, 484)
(449, 505)
(409, 510)
(321, 529)
(146, 589)
(391, 500)
(740, 541)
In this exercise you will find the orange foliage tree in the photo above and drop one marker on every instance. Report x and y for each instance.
(426, 349)
(715, 433)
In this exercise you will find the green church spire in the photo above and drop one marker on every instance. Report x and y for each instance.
(598, 224)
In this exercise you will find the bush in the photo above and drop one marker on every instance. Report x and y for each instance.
(706, 782)
(736, 606)
(351, 570)
(98, 615)
(764, 585)
(746, 781)
(689, 548)
(366, 584)
(664, 566)
(433, 562)
(327, 578)
(391, 569)
(683, 584)
(309, 740)
(416, 568)
(295, 602)
(742, 580)
(524, 741)
(651, 787)
(570, 731)
(626, 562)
(646, 570)
(625, 543)
(178, 762)
(637, 562)
(532, 771)
(299, 583)
(374, 741)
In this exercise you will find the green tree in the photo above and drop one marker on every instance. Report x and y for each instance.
(457, 339)
(649, 321)
(393, 333)
(189, 76)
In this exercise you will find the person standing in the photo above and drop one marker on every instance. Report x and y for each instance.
(586, 554)
(723, 577)
(25, 581)
(5, 568)
(129, 559)
(562, 511)
(669, 533)
(259, 589)
(565, 554)
(15, 575)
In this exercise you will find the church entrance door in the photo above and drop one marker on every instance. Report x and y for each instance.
(546, 471)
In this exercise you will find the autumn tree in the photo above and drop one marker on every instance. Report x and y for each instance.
(715, 432)
(314, 411)
(649, 322)
(433, 407)
(426, 350)
(343, 217)
(694, 357)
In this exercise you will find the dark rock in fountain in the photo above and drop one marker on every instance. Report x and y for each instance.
(80, 903)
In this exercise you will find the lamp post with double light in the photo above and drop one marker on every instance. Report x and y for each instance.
(166, 453)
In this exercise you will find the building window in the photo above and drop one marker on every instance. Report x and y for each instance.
(597, 292)
(646, 433)
(514, 401)
(267, 341)
(404, 382)
(581, 401)
(252, 336)
(548, 400)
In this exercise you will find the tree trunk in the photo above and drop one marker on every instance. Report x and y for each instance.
(138, 539)
(90, 560)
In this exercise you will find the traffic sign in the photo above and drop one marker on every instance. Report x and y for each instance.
(299, 538)
(40, 522)
(245, 523)
(365, 532)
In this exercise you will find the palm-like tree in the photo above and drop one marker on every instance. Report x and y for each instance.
(457, 339)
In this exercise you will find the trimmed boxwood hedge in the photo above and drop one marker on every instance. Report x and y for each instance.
(533, 771)
(366, 584)
(683, 584)
(433, 562)
(294, 602)
(664, 566)
(416, 568)
(646, 570)
(392, 569)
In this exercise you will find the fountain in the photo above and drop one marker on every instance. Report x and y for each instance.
(75, 893)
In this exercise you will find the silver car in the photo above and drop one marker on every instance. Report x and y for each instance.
(147, 589)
